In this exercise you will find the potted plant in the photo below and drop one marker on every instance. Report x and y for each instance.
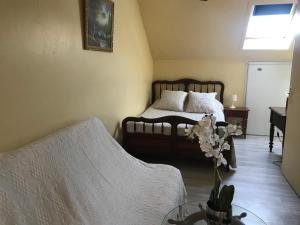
(213, 142)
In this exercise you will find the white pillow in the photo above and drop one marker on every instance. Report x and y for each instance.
(202, 102)
(219, 106)
(172, 100)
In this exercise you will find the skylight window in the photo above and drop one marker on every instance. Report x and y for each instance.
(270, 27)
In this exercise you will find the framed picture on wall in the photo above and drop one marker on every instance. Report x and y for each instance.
(99, 25)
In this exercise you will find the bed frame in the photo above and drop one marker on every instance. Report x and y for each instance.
(140, 143)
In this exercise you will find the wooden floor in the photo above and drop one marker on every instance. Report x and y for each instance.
(260, 185)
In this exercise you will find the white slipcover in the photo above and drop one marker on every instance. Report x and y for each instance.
(82, 176)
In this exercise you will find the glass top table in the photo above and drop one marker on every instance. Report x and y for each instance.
(181, 212)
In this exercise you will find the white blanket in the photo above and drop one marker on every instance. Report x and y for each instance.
(152, 113)
(82, 176)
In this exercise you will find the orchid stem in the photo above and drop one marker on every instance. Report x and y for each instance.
(215, 182)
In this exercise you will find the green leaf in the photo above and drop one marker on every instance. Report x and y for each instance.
(226, 197)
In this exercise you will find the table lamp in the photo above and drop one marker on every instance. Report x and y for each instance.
(233, 99)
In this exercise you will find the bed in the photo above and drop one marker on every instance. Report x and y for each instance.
(159, 132)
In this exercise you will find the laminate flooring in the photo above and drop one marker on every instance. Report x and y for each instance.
(258, 180)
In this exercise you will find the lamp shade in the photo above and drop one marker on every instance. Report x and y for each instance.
(234, 98)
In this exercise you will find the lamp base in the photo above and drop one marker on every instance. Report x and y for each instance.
(232, 107)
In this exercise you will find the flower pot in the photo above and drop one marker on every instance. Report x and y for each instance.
(218, 217)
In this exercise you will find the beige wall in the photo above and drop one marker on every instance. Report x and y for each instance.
(232, 73)
(291, 154)
(47, 81)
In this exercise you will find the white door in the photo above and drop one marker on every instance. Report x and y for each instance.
(267, 85)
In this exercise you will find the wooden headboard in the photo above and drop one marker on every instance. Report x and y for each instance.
(188, 85)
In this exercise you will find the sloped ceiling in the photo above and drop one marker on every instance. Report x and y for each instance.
(194, 29)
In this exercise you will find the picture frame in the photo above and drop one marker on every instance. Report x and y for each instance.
(99, 25)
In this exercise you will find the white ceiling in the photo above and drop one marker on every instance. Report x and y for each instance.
(193, 29)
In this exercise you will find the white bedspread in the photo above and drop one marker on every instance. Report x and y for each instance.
(152, 112)
(82, 176)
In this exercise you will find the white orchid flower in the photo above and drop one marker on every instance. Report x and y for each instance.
(213, 121)
(205, 122)
(212, 139)
(206, 147)
(209, 154)
(216, 152)
(221, 160)
(203, 139)
(239, 131)
(201, 130)
(231, 128)
(234, 130)
(216, 137)
(226, 146)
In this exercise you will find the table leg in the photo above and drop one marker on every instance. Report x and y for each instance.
(283, 142)
(271, 136)
(244, 122)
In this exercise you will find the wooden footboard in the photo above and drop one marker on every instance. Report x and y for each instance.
(143, 137)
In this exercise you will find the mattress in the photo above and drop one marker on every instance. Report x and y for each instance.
(165, 128)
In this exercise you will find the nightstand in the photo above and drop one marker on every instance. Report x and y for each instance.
(240, 113)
